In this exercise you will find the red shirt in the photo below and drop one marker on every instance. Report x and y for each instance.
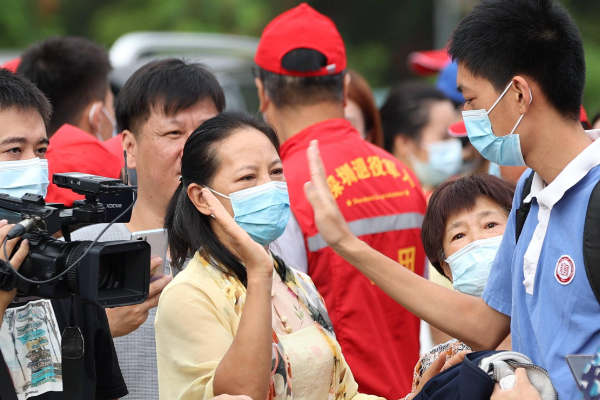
(384, 205)
(74, 150)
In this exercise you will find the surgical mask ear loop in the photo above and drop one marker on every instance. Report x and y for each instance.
(500, 98)
(218, 194)
(90, 117)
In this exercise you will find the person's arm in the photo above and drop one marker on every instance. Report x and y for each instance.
(246, 367)
(464, 317)
(16, 260)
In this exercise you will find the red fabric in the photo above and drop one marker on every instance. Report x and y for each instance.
(458, 129)
(428, 62)
(74, 150)
(301, 27)
(380, 339)
(115, 147)
(12, 65)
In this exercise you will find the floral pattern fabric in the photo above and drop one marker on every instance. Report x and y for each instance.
(342, 385)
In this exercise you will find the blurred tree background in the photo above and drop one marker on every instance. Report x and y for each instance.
(379, 34)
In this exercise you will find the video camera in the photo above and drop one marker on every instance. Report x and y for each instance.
(108, 274)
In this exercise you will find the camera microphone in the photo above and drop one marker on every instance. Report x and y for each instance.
(20, 229)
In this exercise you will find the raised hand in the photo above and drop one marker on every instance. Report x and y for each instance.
(328, 217)
(255, 257)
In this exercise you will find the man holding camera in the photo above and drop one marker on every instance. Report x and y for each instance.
(157, 109)
(30, 334)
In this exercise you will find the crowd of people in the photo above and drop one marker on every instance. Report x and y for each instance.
(307, 245)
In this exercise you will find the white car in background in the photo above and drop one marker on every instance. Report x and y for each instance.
(230, 57)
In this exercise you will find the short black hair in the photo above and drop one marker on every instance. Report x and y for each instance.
(289, 91)
(172, 84)
(455, 196)
(406, 110)
(17, 91)
(500, 39)
(189, 230)
(71, 71)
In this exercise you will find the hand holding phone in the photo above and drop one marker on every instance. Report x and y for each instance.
(158, 240)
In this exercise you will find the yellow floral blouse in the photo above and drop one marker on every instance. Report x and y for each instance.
(198, 316)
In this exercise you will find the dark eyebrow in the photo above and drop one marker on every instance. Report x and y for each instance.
(13, 140)
(252, 167)
(459, 88)
(487, 213)
(43, 141)
(275, 162)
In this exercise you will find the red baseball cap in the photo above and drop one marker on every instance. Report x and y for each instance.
(428, 62)
(458, 129)
(12, 65)
(302, 27)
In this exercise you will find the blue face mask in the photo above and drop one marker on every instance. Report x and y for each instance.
(262, 211)
(494, 169)
(471, 265)
(24, 176)
(445, 160)
(502, 150)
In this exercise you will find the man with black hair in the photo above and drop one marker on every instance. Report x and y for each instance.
(30, 331)
(73, 73)
(303, 87)
(157, 109)
(521, 69)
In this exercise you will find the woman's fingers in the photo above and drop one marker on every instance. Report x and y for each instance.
(20, 255)
(317, 172)
(456, 359)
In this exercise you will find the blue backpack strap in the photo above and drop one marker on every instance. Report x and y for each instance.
(591, 242)
(523, 211)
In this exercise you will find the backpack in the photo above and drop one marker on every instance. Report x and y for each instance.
(468, 381)
(591, 232)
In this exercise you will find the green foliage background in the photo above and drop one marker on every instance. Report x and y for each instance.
(379, 34)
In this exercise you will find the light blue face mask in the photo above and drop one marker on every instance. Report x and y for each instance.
(494, 169)
(24, 176)
(502, 150)
(262, 211)
(445, 160)
(471, 265)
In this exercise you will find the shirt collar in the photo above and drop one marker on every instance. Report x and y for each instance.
(576, 170)
(329, 131)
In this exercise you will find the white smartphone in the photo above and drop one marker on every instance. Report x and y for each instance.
(577, 364)
(158, 240)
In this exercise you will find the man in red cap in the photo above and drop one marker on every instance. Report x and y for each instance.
(73, 73)
(303, 86)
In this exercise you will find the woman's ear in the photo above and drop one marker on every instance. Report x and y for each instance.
(447, 270)
(194, 192)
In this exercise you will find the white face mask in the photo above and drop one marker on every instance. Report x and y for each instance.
(24, 176)
(110, 118)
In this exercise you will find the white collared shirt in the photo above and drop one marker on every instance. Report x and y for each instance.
(548, 195)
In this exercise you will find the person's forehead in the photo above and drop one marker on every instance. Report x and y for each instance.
(247, 144)
(466, 81)
(23, 124)
(194, 115)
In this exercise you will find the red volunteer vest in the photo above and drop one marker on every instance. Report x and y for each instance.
(74, 150)
(384, 205)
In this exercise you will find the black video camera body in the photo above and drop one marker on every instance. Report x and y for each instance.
(108, 274)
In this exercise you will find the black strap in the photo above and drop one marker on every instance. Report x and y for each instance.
(591, 242)
(524, 208)
(72, 360)
(7, 390)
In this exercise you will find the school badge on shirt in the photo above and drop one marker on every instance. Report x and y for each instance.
(565, 270)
